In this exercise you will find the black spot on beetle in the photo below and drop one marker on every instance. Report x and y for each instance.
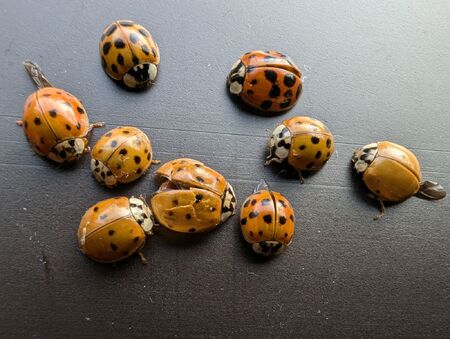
(120, 60)
(288, 93)
(68, 127)
(198, 197)
(274, 91)
(289, 80)
(95, 208)
(266, 202)
(328, 143)
(37, 121)
(145, 49)
(270, 75)
(253, 214)
(137, 159)
(123, 151)
(247, 202)
(282, 220)
(139, 171)
(299, 91)
(126, 23)
(267, 219)
(113, 247)
(192, 230)
(136, 239)
(254, 82)
(260, 232)
(114, 68)
(78, 126)
(318, 154)
(135, 60)
(302, 147)
(43, 141)
(154, 52)
(282, 203)
(80, 110)
(315, 140)
(134, 37)
(310, 165)
(110, 30)
(104, 64)
(200, 179)
(106, 48)
(143, 32)
(291, 217)
(249, 92)
(119, 43)
(253, 202)
(188, 216)
(111, 232)
(52, 113)
(266, 104)
(285, 104)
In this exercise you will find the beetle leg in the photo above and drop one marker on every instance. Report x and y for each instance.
(300, 177)
(154, 162)
(96, 125)
(19, 123)
(142, 257)
(381, 210)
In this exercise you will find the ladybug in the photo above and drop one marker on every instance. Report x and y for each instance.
(129, 54)
(121, 155)
(267, 221)
(114, 229)
(306, 143)
(54, 121)
(392, 173)
(268, 81)
(192, 198)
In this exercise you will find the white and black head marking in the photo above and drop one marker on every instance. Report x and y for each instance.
(67, 150)
(280, 143)
(236, 77)
(268, 248)
(228, 204)
(140, 75)
(363, 157)
(102, 173)
(141, 212)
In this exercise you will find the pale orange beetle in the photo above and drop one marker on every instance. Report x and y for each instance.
(392, 173)
(54, 121)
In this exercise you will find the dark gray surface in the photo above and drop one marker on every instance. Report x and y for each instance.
(374, 71)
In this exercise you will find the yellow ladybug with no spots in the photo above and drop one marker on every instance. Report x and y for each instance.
(122, 155)
(267, 221)
(129, 54)
(305, 143)
(54, 121)
(192, 198)
(392, 173)
(114, 229)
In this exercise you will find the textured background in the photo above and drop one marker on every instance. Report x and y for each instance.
(373, 71)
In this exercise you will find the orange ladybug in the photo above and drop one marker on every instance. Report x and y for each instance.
(305, 143)
(121, 155)
(193, 198)
(54, 121)
(392, 173)
(267, 221)
(114, 229)
(129, 54)
(268, 81)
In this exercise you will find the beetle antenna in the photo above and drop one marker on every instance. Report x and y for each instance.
(262, 186)
(381, 210)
